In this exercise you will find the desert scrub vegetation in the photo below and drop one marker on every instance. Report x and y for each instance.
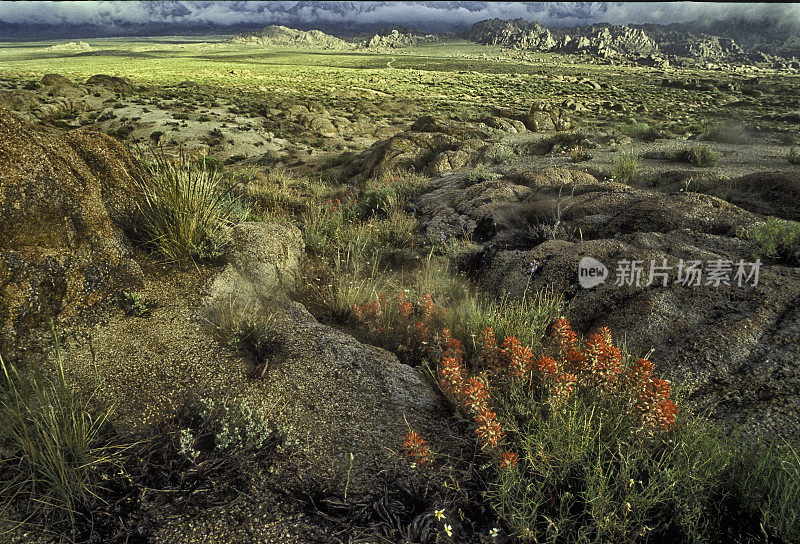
(184, 206)
(794, 155)
(625, 167)
(57, 449)
(699, 155)
(777, 239)
(585, 444)
(641, 131)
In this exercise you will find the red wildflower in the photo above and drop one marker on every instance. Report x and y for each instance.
(516, 356)
(427, 306)
(474, 395)
(563, 387)
(547, 366)
(415, 447)
(564, 337)
(450, 377)
(423, 333)
(489, 429)
(509, 459)
(406, 309)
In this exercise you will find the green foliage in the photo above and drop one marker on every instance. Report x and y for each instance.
(700, 155)
(728, 132)
(184, 207)
(55, 452)
(641, 131)
(480, 174)
(579, 154)
(135, 303)
(236, 424)
(625, 167)
(527, 317)
(122, 132)
(777, 239)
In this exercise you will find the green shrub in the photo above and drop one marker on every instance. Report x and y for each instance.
(480, 174)
(579, 154)
(588, 445)
(700, 155)
(184, 207)
(625, 167)
(641, 131)
(236, 424)
(728, 132)
(777, 239)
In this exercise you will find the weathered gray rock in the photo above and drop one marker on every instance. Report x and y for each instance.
(262, 264)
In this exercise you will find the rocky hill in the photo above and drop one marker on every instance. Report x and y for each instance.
(633, 41)
(276, 35)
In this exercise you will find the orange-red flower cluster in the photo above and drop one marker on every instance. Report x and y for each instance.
(653, 400)
(516, 357)
(415, 447)
(489, 429)
(509, 459)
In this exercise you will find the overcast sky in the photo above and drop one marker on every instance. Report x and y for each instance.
(419, 14)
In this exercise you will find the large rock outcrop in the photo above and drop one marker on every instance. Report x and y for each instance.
(61, 253)
(731, 348)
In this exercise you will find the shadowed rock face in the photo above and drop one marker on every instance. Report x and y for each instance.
(734, 349)
(61, 253)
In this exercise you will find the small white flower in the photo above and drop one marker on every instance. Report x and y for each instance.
(494, 532)
(439, 514)
(448, 529)
(413, 465)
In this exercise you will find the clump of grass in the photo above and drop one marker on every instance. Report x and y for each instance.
(579, 154)
(700, 155)
(641, 131)
(480, 174)
(625, 167)
(55, 447)
(184, 207)
(499, 153)
(777, 239)
(526, 318)
(793, 155)
(728, 132)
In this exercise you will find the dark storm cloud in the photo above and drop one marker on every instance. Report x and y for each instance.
(420, 14)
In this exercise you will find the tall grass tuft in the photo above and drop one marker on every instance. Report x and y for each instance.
(184, 207)
(55, 449)
(625, 167)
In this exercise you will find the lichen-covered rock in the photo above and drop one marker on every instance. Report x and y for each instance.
(61, 254)
(113, 83)
(55, 80)
(432, 145)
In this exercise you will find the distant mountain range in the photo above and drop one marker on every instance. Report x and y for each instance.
(693, 40)
(753, 29)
